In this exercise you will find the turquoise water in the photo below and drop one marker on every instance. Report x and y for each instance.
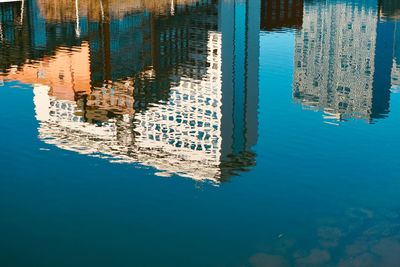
(189, 135)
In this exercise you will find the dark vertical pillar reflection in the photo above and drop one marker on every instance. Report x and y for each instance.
(38, 24)
(107, 41)
(383, 66)
(241, 31)
(155, 43)
(239, 24)
(252, 71)
(396, 52)
(227, 29)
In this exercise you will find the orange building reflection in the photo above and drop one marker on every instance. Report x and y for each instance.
(157, 90)
(67, 73)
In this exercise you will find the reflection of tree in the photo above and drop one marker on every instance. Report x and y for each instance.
(65, 10)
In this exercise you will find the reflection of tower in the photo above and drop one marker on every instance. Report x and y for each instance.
(389, 18)
(396, 60)
(38, 32)
(105, 25)
(116, 43)
(240, 55)
(11, 12)
(383, 65)
(277, 14)
(389, 9)
(14, 41)
(339, 61)
(211, 114)
(188, 126)
(205, 124)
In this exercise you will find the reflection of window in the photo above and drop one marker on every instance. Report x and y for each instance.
(343, 90)
(343, 105)
(363, 28)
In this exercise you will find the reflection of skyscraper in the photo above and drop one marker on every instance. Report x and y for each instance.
(389, 16)
(383, 65)
(240, 53)
(204, 124)
(389, 9)
(339, 61)
(11, 14)
(206, 118)
(278, 14)
(396, 60)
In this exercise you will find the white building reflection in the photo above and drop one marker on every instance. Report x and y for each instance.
(343, 61)
(203, 130)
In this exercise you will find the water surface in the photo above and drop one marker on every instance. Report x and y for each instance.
(200, 133)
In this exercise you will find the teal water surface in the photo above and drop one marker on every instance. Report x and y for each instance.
(200, 133)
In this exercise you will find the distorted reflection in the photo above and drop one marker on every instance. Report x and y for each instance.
(345, 63)
(174, 84)
(168, 84)
(281, 14)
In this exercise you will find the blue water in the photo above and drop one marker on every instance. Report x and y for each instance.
(297, 188)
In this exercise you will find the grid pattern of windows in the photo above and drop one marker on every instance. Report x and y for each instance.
(334, 60)
(189, 124)
(181, 136)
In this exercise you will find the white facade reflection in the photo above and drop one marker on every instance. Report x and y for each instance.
(335, 60)
(341, 61)
(204, 129)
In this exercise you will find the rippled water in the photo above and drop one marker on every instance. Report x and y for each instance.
(200, 133)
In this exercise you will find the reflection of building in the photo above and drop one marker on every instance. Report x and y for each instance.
(395, 77)
(11, 14)
(97, 10)
(389, 9)
(383, 67)
(178, 93)
(24, 35)
(67, 73)
(341, 61)
(395, 80)
(278, 14)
